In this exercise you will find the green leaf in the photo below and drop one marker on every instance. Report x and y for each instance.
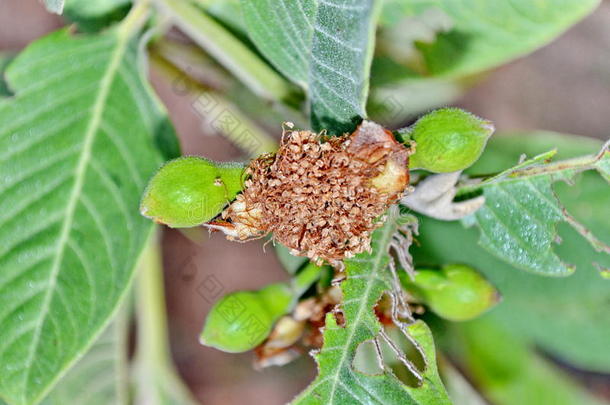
(101, 376)
(95, 15)
(518, 221)
(324, 46)
(484, 35)
(509, 372)
(54, 6)
(566, 317)
(338, 382)
(79, 139)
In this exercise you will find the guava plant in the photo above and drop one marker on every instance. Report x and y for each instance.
(394, 224)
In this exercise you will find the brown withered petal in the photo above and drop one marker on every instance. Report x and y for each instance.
(322, 196)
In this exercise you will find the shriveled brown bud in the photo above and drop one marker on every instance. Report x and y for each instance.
(279, 348)
(321, 196)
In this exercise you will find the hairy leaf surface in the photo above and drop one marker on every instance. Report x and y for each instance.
(518, 221)
(324, 46)
(79, 139)
(565, 316)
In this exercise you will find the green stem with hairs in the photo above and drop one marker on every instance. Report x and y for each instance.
(248, 136)
(228, 50)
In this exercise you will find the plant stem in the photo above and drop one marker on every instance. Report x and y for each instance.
(564, 168)
(305, 278)
(228, 50)
(192, 61)
(150, 305)
(247, 136)
(156, 377)
(136, 18)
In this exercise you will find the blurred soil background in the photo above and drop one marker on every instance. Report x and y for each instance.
(563, 87)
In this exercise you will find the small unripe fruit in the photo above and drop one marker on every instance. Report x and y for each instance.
(242, 320)
(456, 292)
(189, 191)
(277, 298)
(448, 140)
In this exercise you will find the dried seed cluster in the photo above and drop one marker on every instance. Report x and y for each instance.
(322, 197)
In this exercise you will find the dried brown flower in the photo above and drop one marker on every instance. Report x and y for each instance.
(321, 196)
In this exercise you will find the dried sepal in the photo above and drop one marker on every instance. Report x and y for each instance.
(434, 197)
(280, 347)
